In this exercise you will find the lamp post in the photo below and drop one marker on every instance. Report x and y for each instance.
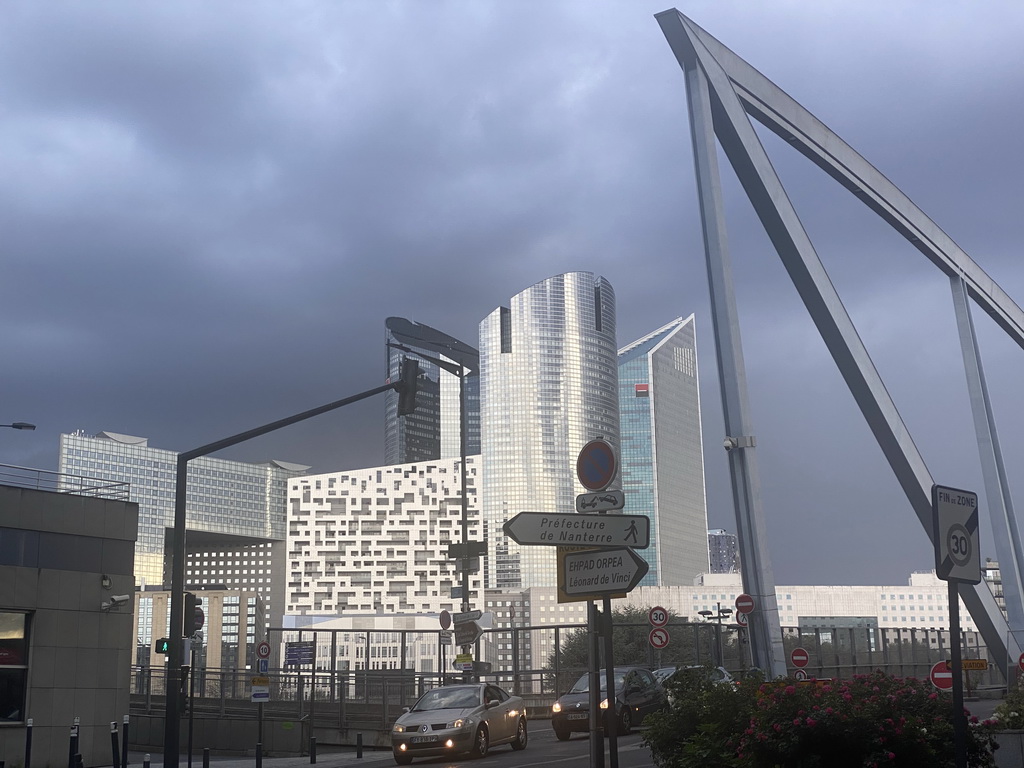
(172, 724)
(717, 617)
(20, 425)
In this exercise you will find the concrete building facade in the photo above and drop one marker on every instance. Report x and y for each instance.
(66, 579)
(376, 539)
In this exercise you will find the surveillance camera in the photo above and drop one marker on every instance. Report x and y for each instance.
(119, 599)
(729, 443)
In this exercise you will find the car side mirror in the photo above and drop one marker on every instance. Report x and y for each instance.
(492, 703)
(406, 709)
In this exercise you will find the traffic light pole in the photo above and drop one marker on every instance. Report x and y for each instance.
(172, 717)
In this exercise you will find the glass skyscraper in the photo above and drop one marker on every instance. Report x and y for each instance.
(548, 385)
(235, 514)
(662, 456)
(432, 430)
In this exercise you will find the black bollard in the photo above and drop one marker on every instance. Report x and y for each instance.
(79, 760)
(259, 755)
(28, 743)
(145, 761)
(359, 745)
(124, 744)
(73, 745)
(114, 745)
(312, 749)
(206, 757)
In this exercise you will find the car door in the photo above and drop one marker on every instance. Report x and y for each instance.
(648, 695)
(499, 716)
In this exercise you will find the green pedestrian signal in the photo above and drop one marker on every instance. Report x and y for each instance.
(163, 645)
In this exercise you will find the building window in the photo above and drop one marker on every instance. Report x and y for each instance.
(13, 665)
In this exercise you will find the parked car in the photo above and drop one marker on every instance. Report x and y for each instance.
(458, 719)
(636, 694)
(717, 674)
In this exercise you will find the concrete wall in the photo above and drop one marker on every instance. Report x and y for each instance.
(54, 550)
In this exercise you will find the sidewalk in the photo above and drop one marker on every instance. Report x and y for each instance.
(336, 758)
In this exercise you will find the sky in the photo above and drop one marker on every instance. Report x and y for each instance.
(207, 211)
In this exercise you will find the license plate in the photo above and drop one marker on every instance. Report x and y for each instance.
(577, 716)
(423, 739)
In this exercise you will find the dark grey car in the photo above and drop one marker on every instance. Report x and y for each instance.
(637, 694)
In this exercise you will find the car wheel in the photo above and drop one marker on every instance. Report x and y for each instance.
(625, 722)
(402, 758)
(481, 742)
(521, 735)
(562, 734)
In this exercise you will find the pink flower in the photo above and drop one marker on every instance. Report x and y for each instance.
(892, 755)
(811, 722)
(796, 721)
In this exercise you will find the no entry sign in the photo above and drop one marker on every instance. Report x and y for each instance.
(799, 657)
(1020, 662)
(941, 676)
(744, 604)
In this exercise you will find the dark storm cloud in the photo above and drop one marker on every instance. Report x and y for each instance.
(207, 211)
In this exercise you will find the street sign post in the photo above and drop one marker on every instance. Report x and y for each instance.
(658, 616)
(601, 501)
(744, 604)
(957, 553)
(262, 650)
(466, 616)
(604, 571)
(799, 657)
(445, 618)
(941, 676)
(1020, 662)
(658, 638)
(596, 465)
(568, 529)
(467, 632)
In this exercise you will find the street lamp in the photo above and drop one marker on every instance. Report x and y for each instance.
(717, 616)
(20, 425)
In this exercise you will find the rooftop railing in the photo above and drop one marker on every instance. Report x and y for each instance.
(60, 482)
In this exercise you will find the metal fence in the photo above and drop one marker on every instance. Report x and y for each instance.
(537, 663)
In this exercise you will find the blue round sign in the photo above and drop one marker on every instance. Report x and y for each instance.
(596, 465)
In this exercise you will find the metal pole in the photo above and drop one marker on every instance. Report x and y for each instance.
(124, 745)
(114, 744)
(28, 743)
(612, 726)
(172, 718)
(594, 686)
(73, 743)
(959, 721)
(468, 676)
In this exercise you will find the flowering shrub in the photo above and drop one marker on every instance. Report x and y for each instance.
(871, 720)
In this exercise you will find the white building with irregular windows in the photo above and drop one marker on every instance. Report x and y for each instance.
(376, 540)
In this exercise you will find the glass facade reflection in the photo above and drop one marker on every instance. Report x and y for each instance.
(662, 455)
(235, 511)
(548, 385)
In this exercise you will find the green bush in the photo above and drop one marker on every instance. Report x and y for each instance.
(871, 720)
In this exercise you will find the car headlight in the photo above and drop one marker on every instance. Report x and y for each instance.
(604, 704)
(556, 707)
(398, 728)
(459, 723)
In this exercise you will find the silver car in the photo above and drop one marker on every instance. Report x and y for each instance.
(456, 719)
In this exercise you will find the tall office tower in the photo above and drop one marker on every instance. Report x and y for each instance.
(724, 549)
(548, 385)
(662, 456)
(235, 516)
(432, 431)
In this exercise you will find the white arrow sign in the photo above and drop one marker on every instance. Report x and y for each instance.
(467, 633)
(599, 571)
(563, 530)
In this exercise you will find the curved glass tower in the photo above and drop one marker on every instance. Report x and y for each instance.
(548, 385)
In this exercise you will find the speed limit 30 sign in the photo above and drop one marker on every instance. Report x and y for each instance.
(955, 519)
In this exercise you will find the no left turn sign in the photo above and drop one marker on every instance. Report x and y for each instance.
(658, 638)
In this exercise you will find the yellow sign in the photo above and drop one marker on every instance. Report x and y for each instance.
(259, 681)
(464, 658)
(562, 596)
(974, 664)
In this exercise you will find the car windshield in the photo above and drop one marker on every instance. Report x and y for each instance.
(583, 684)
(448, 698)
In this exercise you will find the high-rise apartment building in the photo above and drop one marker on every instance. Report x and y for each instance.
(235, 514)
(662, 456)
(724, 550)
(548, 385)
(432, 431)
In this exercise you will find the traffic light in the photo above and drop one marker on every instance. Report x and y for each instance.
(189, 618)
(163, 645)
(407, 386)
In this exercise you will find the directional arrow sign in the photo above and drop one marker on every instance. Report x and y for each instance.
(560, 530)
(604, 571)
(467, 633)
